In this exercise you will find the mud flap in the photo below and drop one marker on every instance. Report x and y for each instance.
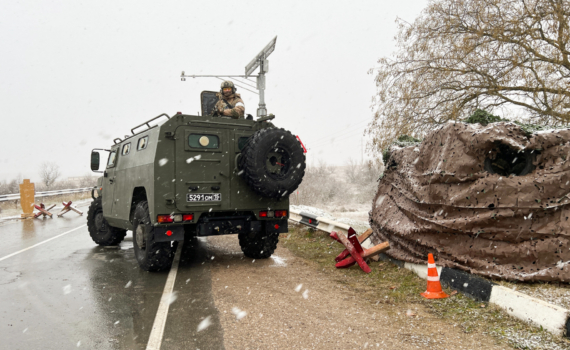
(276, 226)
(161, 233)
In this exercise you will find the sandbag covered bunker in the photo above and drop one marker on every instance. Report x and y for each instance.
(491, 200)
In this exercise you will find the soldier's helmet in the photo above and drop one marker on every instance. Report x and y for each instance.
(228, 84)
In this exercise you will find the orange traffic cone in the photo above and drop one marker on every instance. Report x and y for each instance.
(434, 290)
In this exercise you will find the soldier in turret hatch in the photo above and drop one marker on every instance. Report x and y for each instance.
(229, 102)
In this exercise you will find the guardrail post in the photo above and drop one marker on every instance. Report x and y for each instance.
(27, 198)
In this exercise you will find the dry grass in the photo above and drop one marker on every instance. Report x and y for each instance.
(390, 284)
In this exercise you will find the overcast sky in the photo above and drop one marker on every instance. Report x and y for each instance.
(76, 74)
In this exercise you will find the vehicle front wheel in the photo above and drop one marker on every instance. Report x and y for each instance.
(99, 228)
(151, 256)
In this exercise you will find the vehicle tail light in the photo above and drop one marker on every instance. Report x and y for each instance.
(280, 213)
(163, 219)
(188, 217)
(263, 214)
(177, 217)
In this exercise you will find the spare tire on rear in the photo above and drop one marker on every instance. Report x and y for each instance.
(273, 162)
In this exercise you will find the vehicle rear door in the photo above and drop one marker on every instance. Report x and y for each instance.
(202, 169)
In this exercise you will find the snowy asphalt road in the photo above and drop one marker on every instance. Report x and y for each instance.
(68, 292)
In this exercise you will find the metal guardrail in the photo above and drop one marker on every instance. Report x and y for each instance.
(322, 223)
(319, 223)
(16, 196)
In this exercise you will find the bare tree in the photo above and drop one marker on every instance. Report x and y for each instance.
(462, 55)
(49, 172)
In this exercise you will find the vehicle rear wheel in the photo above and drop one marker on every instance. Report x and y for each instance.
(151, 256)
(258, 245)
(99, 229)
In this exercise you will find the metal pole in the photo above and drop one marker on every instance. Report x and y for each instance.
(261, 111)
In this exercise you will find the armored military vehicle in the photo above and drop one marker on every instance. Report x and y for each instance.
(192, 176)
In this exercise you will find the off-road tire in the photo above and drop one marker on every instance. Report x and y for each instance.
(273, 162)
(258, 245)
(151, 256)
(99, 229)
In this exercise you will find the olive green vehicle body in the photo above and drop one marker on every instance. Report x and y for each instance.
(169, 168)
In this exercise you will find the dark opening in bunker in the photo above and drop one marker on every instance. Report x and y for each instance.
(505, 161)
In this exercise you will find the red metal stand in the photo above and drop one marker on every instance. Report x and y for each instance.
(43, 210)
(353, 246)
(354, 253)
(67, 207)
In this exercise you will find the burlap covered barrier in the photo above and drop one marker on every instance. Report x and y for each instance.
(442, 197)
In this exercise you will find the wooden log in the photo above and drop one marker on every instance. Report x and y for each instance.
(377, 249)
(76, 210)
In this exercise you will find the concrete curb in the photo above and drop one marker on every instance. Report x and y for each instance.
(553, 318)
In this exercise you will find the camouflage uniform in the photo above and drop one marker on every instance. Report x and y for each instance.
(234, 104)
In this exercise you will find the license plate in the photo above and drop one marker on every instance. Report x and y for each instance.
(203, 197)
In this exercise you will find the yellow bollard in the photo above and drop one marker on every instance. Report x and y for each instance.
(27, 198)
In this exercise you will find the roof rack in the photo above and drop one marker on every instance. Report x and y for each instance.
(147, 122)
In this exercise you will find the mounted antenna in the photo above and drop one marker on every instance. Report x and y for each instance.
(259, 61)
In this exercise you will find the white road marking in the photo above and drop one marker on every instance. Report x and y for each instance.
(38, 244)
(155, 338)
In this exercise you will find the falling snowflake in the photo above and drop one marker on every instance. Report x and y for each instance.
(129, 283)
(238, 313)
(67, 289)
(207, 322)
(172, 297)
(306, 294)
(117, 322)
(162, 162)
(191, 159)
(298, 288)
(79, 343)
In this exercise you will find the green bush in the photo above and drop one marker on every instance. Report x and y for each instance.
(482, 117)
(401, 141)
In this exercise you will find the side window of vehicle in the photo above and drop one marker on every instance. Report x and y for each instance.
(142, 143)
(203, 141)
(126, 149)
(112, 159)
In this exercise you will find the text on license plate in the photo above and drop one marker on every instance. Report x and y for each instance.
(203, 197)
